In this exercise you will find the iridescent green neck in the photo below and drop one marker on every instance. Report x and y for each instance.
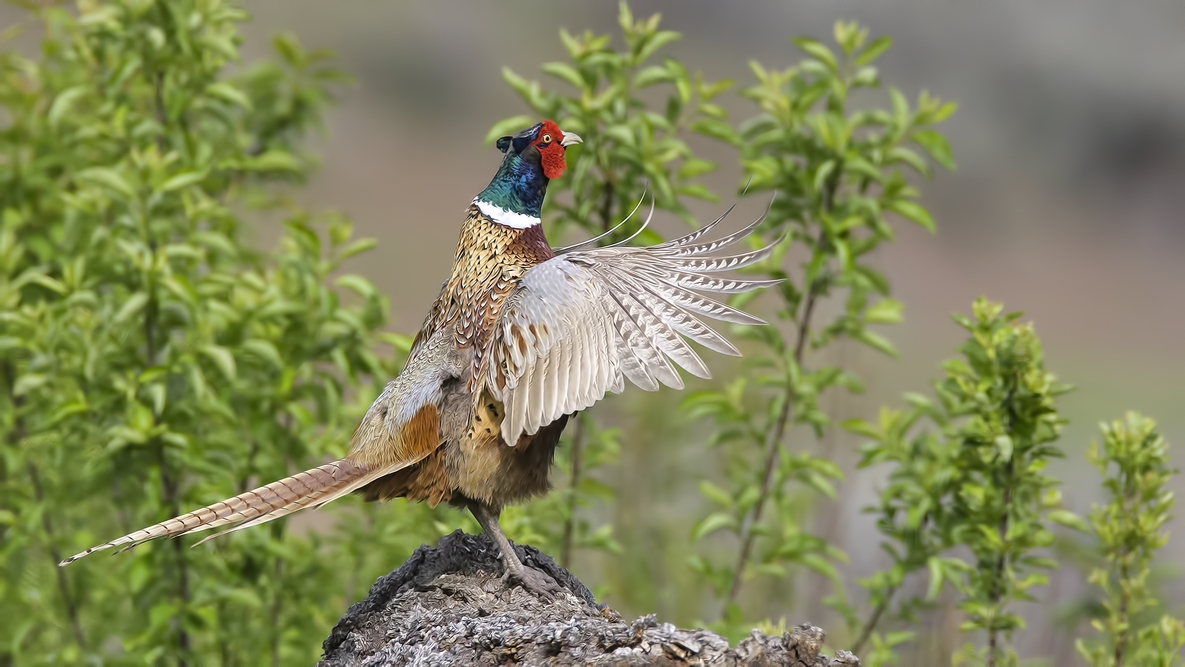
(517, 188)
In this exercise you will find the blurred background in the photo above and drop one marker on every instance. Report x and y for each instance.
(1068, 203)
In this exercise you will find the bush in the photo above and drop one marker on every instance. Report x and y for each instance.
(152, 361)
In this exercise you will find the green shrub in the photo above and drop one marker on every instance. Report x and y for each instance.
(151, 360)
(1131, 527)
(839, 177)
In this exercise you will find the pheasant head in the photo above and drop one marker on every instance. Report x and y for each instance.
(533, 157)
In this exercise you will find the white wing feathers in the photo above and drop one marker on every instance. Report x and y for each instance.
(581, 323)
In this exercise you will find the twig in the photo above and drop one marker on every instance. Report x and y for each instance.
(866, 631)
(1001, 561)
(574, 482)
(63, 586)
(14, 437)
(277, 606)
(774, 439)
(773, 447)
(1124, 576)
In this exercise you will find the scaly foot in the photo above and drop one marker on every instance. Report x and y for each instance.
(535, 581)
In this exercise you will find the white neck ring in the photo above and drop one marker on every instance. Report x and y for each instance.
(504, 217)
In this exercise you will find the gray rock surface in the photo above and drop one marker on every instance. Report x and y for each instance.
(448, 605)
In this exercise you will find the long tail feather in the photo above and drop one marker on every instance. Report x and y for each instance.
(305, 489)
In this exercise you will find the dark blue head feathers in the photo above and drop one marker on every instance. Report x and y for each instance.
(533, 157)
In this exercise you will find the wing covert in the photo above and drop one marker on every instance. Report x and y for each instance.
(580, 324)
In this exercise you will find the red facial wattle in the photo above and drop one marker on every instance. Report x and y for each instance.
(551, 152)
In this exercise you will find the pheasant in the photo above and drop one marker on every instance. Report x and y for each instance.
(520, 338)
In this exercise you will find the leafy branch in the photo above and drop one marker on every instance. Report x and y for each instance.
(1133, 460)
(837, 173)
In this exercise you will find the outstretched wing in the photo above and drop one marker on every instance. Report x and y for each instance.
(581, 323)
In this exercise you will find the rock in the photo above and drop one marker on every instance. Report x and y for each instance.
(448, 605)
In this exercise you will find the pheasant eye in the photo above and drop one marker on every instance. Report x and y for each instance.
(546, 139)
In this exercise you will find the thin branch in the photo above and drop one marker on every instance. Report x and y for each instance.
(170, 487)
(1125, 557)
(277, 607)
(866, 631)
(51, 537)
(773, 443)
(15, 436)
(773, 447)
(573, 484)
(997, 592)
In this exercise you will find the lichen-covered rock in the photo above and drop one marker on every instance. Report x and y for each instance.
(448, 605)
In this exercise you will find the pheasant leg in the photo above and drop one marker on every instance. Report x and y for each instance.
(539, 583)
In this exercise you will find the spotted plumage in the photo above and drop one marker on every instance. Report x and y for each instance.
(519, 339)
(490, 261)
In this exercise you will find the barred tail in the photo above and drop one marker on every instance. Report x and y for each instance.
(311, 488)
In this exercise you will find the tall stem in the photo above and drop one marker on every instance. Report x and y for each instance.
(997, 592)
(773, 441)
(1125, 558)
(773, 447)
(170, 485)
(875, 618)
(277, 607)
(15, 436)
(573, 491)
(51, 536)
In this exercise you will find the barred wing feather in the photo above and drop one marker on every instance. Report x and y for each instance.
(582, 323)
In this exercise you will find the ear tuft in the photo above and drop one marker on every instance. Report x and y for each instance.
(503, 143)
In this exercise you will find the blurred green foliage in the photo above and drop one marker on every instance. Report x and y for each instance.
(1004, 497)
(838, 174)
(152, 360)
(1133, 460)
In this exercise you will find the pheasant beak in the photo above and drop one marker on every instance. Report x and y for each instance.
(571, 138)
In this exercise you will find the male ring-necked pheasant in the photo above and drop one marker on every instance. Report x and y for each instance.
(519, 339)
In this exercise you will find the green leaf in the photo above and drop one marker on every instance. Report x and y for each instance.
(566, 72)
(696, 167)
(228, 93)
(876, 342)
(1069, 519)
(130, 307)
(874, 50)
(909, 157)
(265, 350)
(715, 494)
(358, 284)
(710, 524)
(222, 358)
(936, 145)
(274, 160)
(62, 104)
(28, 382)
(108, 178)
(716, 129)
(659, 40)
(900, 109)
(934, 564)
(182, 180)
(912, 211)
(885, 311)
(861, 427)
(818, 50)
(651, 75)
